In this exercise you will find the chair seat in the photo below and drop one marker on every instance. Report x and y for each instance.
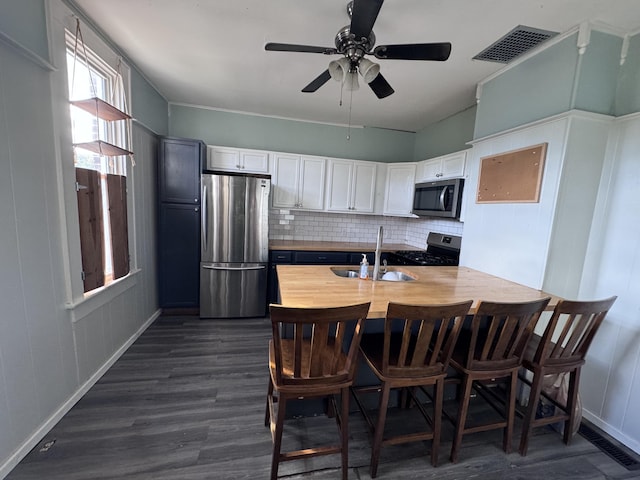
(320, 385)
(372, 347)
(461, 352)
(552, 365)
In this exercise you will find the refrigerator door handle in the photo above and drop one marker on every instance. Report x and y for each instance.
(205, 202)
(252, 267)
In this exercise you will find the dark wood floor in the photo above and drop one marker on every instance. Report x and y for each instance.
(186, 401)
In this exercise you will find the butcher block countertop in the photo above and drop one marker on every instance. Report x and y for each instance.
(318, 286)
(313, 245)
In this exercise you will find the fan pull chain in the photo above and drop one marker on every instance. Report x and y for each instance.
(349, 125)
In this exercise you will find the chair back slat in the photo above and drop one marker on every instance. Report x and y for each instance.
(570, 331)
(319, 344)
(404, 346)
(297, 350)
(423, 343)
(429, 333)
(499, 332)
(313, 345)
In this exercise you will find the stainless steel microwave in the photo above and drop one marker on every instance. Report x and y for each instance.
(438, 199)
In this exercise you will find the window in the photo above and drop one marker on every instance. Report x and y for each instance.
(100, 173)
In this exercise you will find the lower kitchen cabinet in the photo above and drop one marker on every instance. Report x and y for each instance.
(179, 255)
(276, 257)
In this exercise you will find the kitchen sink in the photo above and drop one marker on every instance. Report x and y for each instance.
(388, 276)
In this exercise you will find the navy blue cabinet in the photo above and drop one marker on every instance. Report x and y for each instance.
(179, 166)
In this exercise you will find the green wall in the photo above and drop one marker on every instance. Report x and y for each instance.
(628, 94)
(216, 127)
(598, 74)
(537, 88)
(148, 106)
(446, 136)
(559, 79)
(25, 23)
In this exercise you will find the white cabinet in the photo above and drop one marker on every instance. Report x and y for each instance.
(351, 186)
(298, 181)
(399, 187)
(446, 166)
(237, 160)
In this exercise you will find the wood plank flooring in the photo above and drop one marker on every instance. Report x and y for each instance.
(187, 401)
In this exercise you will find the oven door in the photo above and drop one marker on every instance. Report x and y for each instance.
(438, 199)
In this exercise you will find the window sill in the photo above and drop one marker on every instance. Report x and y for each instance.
(98, 298)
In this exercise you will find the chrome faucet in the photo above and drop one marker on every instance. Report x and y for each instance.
(376, 265)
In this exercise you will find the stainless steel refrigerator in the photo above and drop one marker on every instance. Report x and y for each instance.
(234, 246)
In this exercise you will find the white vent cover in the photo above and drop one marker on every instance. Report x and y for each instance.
(518, 41)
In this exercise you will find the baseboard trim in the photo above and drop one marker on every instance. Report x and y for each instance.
(22, 451)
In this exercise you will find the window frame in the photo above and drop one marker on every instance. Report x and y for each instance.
(96, 78)
(61, 17)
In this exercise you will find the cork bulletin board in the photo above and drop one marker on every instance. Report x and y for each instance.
(512, 177)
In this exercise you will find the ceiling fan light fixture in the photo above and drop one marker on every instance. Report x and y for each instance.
(368, 69)
(338, 69)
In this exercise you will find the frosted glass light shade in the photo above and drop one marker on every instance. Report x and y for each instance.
(368, 69)
(338, 69)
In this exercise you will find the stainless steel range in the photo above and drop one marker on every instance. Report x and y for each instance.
(442, 250)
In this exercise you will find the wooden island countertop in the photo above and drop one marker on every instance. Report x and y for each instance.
(318, 286)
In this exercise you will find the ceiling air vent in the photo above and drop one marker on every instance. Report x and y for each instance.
(518, 41)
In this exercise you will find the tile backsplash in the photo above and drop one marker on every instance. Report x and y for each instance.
(338, 227)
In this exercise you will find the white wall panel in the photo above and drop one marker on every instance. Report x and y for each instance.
(613, 261)
(511, 240)
(595, 375)
(16, 349)
(623, 365)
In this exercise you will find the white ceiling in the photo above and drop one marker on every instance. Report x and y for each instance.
(211, 52)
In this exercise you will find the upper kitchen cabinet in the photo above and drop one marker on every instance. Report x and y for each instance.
(439, 168)
(237, 160)
(298, 181)
(351, 186)
(180, 164)
(399, 187)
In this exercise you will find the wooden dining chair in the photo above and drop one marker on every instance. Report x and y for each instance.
(491, 352)
(415, 356)
(313, 353)
(560, 350)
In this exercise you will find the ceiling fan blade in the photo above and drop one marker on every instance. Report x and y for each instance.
(414, 51)
(289, 47)
(320, 80)
(363, 17)
(380, 86)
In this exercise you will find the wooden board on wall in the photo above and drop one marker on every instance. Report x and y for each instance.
(512, 177)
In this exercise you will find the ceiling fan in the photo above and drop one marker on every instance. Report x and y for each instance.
(356, 40)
